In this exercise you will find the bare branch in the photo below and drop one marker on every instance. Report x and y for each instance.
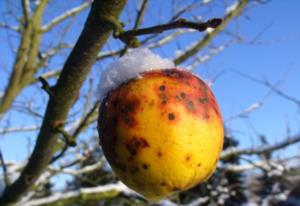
(95, 33)
(185, 9)
(19, 129)
(257, 151)
(46, 86)
(272, 87)
(84, 170)
(69, 139)
(5, 175)
(25, 63)
(129, 36)
(282, 94)
(26, 10)
(138, 21)
(210, 35)
(90, 116)
(140, 14)
(210, 54)
(12, 28)
(95, 193)
(67, 14)
(253, 107)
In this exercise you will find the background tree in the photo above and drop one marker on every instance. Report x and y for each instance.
(48, 92)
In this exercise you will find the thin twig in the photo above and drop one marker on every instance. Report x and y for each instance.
(26, 10)
(5, 175)
(258, 151)
(60, 154)
(65, 15)
(19, 129)
(138, 20)
(70, 140)
(210, 35)
(109, 190)
(86, 119)
(270, 86)
(46, 86)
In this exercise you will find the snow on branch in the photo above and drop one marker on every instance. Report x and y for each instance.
(12, 28)
(251, 108)
(26, 9)
(84, 194)
(261, 150)
(86, 169)
(19, 129)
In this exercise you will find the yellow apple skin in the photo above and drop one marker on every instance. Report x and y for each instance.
(161, 133)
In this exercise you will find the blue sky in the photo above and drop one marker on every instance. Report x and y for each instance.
(274, 56)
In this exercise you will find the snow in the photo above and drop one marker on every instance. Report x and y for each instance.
(209, 30)
(130, 66)
(206, 1)
(232, 7)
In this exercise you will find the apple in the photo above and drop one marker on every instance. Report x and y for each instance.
(161, 132)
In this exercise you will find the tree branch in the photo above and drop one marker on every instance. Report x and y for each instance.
(128, 36)
(96, 31)
(91, 115)
(65, 15)
(209, 36)
(25, 63)
(46, 86)
(5, 175)
(69, 139)
(26, 10)
(12, 28)
(257, 151)
(138, 21)
(19, 129)
(82, 195)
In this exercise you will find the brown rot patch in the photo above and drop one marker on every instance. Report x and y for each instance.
(163, 184)
(199, 165)
(135, 144)
(164, 102)
(190, 106)
(176, 73)
(188, 157)
(203, 100)
(159, 154)
(129, 106)
(162, 87)
(171, 116)
(122, 109)
(182, 95)
(163, 98)
(145, 166)
(129, 120)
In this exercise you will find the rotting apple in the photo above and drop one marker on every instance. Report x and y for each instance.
(162, 132)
